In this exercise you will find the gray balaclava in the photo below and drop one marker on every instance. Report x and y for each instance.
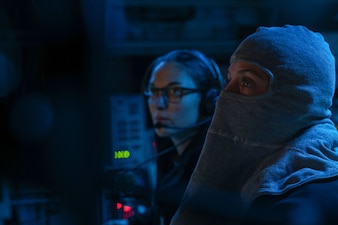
(272, 143)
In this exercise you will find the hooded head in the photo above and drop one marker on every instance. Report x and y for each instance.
(302, 83)
(275, 141)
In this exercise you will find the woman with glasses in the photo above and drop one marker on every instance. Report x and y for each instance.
(181, 88)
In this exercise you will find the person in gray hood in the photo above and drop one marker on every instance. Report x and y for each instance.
(271, 152)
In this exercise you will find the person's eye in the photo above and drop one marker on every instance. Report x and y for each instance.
(247, 83)
(153, 91)
(175, 91)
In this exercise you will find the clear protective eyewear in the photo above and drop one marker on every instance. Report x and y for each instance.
(172, 93)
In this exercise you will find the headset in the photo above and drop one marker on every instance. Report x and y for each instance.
(209, 97)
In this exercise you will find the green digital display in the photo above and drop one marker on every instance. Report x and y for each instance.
(122, 154)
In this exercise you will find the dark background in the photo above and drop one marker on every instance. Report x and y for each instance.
(62, 59)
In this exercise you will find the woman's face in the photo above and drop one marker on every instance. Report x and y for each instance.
(247, 79)
(177, 114)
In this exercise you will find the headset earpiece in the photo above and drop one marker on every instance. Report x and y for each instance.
(209, 102)
(209, 99)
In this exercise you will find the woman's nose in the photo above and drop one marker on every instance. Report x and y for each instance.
(161, 102)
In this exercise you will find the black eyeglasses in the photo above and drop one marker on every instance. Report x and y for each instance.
(173, 94)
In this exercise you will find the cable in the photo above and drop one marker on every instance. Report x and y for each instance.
(155, 157)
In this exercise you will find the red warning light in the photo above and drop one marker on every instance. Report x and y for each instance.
(126, 210)
(118, 205)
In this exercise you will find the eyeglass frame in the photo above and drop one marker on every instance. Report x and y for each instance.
(165, 92)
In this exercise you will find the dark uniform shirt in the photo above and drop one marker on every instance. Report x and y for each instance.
(173, 175)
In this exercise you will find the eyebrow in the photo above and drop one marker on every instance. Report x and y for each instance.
(170, 84)
(262, 75)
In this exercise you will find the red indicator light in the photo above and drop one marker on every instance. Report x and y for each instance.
(127, 208)
(119, 205)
